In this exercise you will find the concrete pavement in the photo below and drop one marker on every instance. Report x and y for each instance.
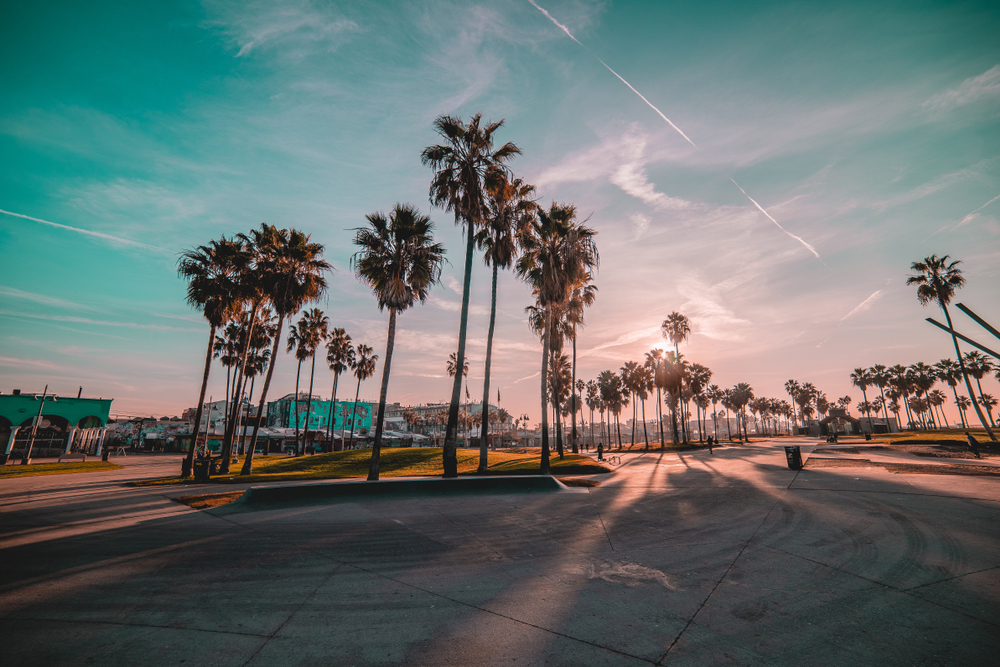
(675, 559)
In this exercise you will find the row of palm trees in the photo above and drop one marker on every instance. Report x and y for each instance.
(910, 389)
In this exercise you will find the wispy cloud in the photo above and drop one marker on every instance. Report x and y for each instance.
(761, 209)
(624, 339)
(864, 305)
(937, 184)
(969, 218)
(12, 361)
(88, 232)
(648, 103)
(299, 27)
(43, 299)
(103, 323)
(973, 89)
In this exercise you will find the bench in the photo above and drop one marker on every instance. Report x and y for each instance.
(76, 456)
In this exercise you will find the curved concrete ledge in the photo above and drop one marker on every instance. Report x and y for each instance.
(325, 491)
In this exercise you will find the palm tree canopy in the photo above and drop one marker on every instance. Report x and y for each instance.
(676, 328)
(452, 365)
(936, 279)
(398, 258)
(214, 273)
(509, 212)
(464, 166)
(339, 351)
(364, 367)
(558, 253)
(289, 268)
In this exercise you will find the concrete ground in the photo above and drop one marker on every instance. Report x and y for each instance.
(675, 559)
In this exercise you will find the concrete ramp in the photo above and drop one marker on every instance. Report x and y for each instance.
(323, 492)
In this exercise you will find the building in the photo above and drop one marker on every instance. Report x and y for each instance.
(65, 424)
(290, 412)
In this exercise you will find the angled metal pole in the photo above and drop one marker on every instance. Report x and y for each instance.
(965, 338)
(980, 321)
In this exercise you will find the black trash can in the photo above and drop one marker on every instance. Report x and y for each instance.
(794, 457)
(201, 470)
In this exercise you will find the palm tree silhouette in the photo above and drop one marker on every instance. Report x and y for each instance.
(937, 280)
(654, 362)
(509, 209)
(948, 371)
(862, 379)
(399, 260)
(213, 273)
(557, 254)
(316, 326)
(297, 342)
(291, 273)
(339, 357)
(364, 368)
(463, 169)
(714, 394)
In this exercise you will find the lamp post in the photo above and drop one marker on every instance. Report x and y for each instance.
(524, 426)
(26, 459)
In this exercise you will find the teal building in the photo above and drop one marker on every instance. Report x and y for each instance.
(65, 423)
(287, 412)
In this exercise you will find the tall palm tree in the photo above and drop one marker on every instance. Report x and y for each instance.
(291, 273)
(948, 371)
(464, 168)
(583, 296)
(963, 404)
(560, 384)
(400, 261)
(298, 336)
(227, 351)
(742, 395)
(862, 379)
(316, 326)
(937, 280)
(677, 328)
(654, 362)
(979, 365)
(364, 368)
(988, 402)
(631, 384)
(509, 209)
(937, 399)
(339, 357)
(644, 382)
(880, 378)
(923, 379)
(698, 379)
(213, 272)
(714, 394)
(792, 388)
(593, 401)
(557, 253)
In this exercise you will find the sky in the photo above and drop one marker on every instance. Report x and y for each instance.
(769, 170)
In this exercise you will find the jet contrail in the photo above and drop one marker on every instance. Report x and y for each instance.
(864, 305)
(761, 209)
(106, 237)
(641, 96)
(967, 218)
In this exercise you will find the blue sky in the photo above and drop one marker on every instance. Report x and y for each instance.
(868, 131)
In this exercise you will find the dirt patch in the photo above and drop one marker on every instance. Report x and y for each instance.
(208, 500)
(576, 481)
(910, 468)
(821, 462)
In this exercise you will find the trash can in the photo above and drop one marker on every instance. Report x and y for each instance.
(201, 470)
(794, 457)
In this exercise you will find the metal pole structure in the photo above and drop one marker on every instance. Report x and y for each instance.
(26, 459)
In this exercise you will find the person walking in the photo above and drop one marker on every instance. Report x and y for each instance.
(973, 445)
(710, 441)
(600, 451)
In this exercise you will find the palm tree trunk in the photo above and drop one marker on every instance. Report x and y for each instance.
(354, 413)
(484, 429)
(954, 390)
(333, 408)
(309, 404)
(659, 410)
(295, 405)
(544, 466)
(189, 461)
(227, 445)
(248, 459)
(377, 446)
(576, 447)
(645, 435)
(450, 453)
(634, 416)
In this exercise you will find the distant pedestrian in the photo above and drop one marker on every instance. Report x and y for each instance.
(600, 451)
(710, 441)
(973, 445)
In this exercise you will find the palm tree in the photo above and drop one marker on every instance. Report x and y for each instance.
(948, 371)
(963, 404)
(630, 383)
(452, 365)
(227, 351)
(697, 381)
(298, 336)
(937, 399)
(364, 368)
(340, 357)
(714, 394)
(464, 168)
(213, 273)
(509, 208)
(979, 365)
(593, 401)
(644, 383)
(742, 394)
(583, 296)
(399, 260)
(862, 379)
(291, 273)
(792, 388)
(557, 254)
(654, 361)
(937, 280)
(880, 378)
(560, 383)
(316, 326)
(677, 328)
(989, 403)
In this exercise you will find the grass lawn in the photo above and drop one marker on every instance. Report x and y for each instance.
(939, 436)
(55, 468)
(395, 462)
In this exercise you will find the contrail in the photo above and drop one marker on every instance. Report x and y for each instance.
(641, 96)
(967, 218)
(761, 209)
(99, 235)
(864, 305)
